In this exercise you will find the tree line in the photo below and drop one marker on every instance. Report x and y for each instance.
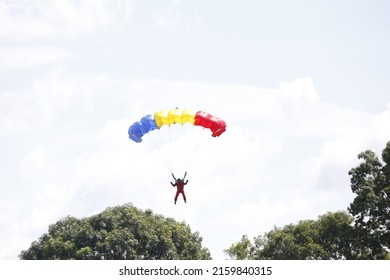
(125, 232)
(361, 233)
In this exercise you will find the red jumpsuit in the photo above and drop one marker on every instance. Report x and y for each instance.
(180, 189)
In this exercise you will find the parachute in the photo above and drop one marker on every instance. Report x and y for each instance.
(175, 118)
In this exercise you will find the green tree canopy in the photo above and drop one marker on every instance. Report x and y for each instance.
(370, 181)
(122, 232)
(325, 238)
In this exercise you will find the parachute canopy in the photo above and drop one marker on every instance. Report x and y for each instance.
(175, 116)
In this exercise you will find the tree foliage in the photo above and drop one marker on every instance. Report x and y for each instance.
(122, 232)
(325, 238)
(370, 181)
(242, 250)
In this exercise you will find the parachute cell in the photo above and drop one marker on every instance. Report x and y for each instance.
(160, 118)
(188, 116)
(174, 116)
(140, 128)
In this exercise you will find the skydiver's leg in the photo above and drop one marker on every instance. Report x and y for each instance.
(177, 194)
(184, 196)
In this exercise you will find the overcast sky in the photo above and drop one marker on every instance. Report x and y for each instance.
(302, 85)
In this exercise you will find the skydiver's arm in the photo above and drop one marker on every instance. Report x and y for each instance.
(173, 184)
(173, 176)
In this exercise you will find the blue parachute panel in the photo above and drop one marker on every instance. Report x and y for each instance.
(140, 128)
(149, 123)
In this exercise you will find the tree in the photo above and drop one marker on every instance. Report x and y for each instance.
(243, 250)
(370, 181)
(365, 234)
(122, 232)
(325, 238)
(336, 235)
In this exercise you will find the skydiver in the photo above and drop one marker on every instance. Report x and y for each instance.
(179, 183)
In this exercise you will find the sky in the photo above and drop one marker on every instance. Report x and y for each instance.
(302, 85)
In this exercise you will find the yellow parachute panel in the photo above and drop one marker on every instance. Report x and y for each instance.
(174, 116)
(188, 115)
(161, 118)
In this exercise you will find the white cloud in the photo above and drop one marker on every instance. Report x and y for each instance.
(52, 99)
(381, 124)
(27, 58)
(174, 17)
(299, 89)
(28, 19)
